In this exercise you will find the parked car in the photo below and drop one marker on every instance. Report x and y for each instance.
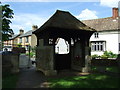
(7, 48)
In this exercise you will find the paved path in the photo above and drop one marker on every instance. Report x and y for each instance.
(30, 78)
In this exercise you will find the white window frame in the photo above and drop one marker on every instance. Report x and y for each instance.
(96, 34)
(20, 39)
(96, 46)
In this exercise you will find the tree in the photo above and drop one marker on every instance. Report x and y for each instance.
(7, 14)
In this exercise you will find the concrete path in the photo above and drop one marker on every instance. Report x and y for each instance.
(30, 78)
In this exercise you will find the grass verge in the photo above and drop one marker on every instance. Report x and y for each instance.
(88, 81)
(10, 81)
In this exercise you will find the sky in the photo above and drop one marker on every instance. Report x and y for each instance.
(37, 12)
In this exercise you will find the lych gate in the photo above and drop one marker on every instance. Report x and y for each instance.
(64, 25)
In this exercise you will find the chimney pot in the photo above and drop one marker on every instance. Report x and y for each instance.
(34, 27)
(21, 31)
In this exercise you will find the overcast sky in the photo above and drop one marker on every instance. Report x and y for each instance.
(36, 12)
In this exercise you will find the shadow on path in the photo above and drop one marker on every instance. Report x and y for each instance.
(30, 78)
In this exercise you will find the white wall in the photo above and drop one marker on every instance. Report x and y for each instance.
(111, 38)
(62, 47)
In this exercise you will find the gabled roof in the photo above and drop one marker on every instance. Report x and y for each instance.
(27, 33)
(14, 36)
(103, 24)
(64, 20)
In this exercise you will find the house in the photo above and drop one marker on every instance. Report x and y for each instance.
(13, 40)
(23, 39)
(28, 39)
(107, 36)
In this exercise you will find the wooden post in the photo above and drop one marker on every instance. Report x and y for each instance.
(29, 57)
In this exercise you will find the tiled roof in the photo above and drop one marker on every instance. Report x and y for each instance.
(27, 33)
(103, 24)
(64, 20)
(14, 36)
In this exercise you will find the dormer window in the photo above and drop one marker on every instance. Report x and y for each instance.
(96, 34)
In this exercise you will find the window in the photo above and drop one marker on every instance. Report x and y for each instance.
(27, 39)
(20, 39)
(96, 34)
(98, 46)
(50, 41)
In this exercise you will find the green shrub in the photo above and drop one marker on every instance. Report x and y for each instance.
(19, 45)
(31, 54)
(109, 54)
(104, 56)
(95, 56)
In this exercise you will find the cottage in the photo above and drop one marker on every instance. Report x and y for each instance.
(107, 36)
(13, 40)
(28, 39)
(24, 39)
(63, 25)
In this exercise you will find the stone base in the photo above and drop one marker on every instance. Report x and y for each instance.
(48, 72)
(86, 69)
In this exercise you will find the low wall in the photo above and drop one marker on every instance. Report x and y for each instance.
(10, 62)
(104, 62)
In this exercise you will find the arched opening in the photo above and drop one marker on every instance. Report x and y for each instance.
(62, 54)
(62, 46)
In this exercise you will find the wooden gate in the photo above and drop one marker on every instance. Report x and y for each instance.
(62, 61)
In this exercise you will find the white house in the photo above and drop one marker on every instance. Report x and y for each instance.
(107, 37)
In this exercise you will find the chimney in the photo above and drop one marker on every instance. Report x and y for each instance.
(115, 13)
(34, 27)
(21, 31)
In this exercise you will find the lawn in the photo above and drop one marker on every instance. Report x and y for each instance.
(10, 81)
(88, 81)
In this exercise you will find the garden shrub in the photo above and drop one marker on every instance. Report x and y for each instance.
(32, 51)
(110, 54)
(106, 55)
(95, 56)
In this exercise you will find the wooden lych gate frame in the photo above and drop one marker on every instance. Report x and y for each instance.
(64, 25)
